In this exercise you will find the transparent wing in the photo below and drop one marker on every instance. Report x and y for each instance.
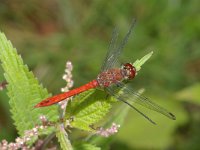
(124, 93)
(114, 51)
(111, 50)
(114, 89)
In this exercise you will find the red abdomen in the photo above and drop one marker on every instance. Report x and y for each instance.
(60, 97)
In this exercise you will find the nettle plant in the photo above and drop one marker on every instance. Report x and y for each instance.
(39, 127)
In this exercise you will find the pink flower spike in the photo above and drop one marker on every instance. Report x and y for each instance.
(68, 78)
(21, 142)
(69, 65)
(43, 119)
(108, 132)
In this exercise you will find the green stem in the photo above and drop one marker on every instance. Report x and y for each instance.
(63, 138)
(47, 140)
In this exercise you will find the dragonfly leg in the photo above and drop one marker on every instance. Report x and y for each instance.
(93, 127)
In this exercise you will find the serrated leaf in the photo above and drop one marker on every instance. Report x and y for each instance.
(24, 90)
(88, 108)
(62, 136)
(117, 117)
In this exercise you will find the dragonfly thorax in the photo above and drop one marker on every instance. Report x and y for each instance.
(128, 71)
(115, 75)
(109, 77)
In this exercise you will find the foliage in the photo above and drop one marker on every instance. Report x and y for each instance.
(86, 109)
(62, 136)
(24, 90)
(80, 30)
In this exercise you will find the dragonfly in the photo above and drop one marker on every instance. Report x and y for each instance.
(113, 80)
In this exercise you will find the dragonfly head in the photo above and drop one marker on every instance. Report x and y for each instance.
(128, 71)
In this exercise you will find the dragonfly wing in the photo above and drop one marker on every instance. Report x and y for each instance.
(111, 50)
(114, 51)
(125, 93)
(112, 90)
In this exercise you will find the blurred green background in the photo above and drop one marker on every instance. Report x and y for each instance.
(48, 33)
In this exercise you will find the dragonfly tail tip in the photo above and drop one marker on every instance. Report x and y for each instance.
(154, 123)
(173, 117)
(36, 106)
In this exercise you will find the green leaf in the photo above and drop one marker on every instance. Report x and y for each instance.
(88, 108)
(138, 63)
(117, 117)
(65, 144)
(24, 90)
(62, 136)
(85, 146)
(190, 94)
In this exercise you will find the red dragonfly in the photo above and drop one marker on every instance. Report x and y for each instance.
(113, 79)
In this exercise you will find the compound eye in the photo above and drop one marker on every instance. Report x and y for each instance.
(128, 65)
(130, 69)
(132, 73)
